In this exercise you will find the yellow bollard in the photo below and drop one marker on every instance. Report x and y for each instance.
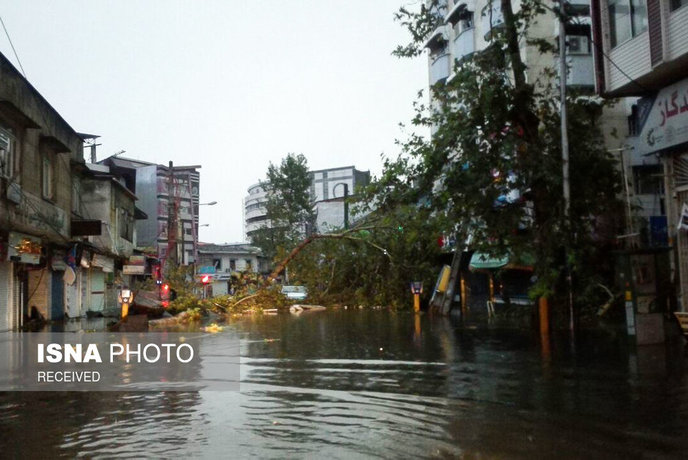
(125, 297)
(416, 290)
(464, 301)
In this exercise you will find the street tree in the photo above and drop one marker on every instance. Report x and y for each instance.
(289, 206)
(492, 167)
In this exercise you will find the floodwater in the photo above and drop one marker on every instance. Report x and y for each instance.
(377, 383)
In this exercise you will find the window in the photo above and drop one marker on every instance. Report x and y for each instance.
(249, 266)
(76, 194)
(126, 224)
(627, 19)
(217, 263)
(676, 4)
(7, 154)
(648, 180)
(232, 264)
(464, 23)
(48, 176)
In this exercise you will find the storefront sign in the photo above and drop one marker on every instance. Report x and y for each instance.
(26, 248)
(683, 219)
(667, 121)
(58, 260)
(133, 269)
(137, 260)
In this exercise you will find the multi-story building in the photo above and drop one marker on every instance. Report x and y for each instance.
(106, 199)
(40, 153)
(328, 188)
(155, 185)
(466, 26)
(642, 56)
(255, 215)
(221, 261)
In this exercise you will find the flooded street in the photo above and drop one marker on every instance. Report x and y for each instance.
(375, 383)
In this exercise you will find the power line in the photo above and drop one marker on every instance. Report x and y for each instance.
(12, 46)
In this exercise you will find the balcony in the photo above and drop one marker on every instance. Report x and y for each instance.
(491, 18)
(257, 212)
(581, 72)
(464, 44)
(439, 69)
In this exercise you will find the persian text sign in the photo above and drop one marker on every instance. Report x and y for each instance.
(667, 121)
(119, 362)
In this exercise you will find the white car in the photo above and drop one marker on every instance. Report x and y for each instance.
(295, 292)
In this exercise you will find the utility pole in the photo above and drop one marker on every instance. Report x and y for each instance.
(171, 220)
(565, 150)
(346, 206)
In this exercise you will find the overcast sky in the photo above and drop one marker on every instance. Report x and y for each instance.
(231, 85)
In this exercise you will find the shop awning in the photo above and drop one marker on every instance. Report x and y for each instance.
(483, 261)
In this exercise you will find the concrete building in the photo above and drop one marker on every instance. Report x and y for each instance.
(255, 215)
(39, 155)
(328, 187)
(150, 182)
(105, 198)
(642, 56)
(221, 261)
(466, 26)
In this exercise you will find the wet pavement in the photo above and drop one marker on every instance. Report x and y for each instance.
(375, 383)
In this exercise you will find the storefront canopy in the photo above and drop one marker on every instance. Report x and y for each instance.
(483, 261)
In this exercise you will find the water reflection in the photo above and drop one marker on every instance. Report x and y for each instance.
(378, 383)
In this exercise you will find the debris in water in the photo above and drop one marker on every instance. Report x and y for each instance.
(213, 328)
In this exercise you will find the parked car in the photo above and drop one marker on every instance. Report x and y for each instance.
(295, 292)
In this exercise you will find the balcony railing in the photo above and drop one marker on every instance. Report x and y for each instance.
(464, 44)
(439, 69)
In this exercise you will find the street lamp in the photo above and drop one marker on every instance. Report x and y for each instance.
(211, 203)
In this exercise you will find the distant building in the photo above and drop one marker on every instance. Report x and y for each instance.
(255, 215)
(150, 182)
(221, 261)
(327, 189)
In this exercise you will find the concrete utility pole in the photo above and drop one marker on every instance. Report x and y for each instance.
(346, 206)
(565, 148)
(171, 220)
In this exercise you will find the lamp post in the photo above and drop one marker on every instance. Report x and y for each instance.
(195, 230)
(346, 202)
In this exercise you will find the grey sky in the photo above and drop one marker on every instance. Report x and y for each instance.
(228, 84)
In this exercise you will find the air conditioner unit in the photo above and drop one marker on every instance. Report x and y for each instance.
(578, 44)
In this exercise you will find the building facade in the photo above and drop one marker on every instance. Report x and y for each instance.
(642, 57)
(39, 154)
(159, 190)
(466, 26)
(221, 261)
(328, 188)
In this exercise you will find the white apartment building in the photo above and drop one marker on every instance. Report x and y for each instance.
(328, 187)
